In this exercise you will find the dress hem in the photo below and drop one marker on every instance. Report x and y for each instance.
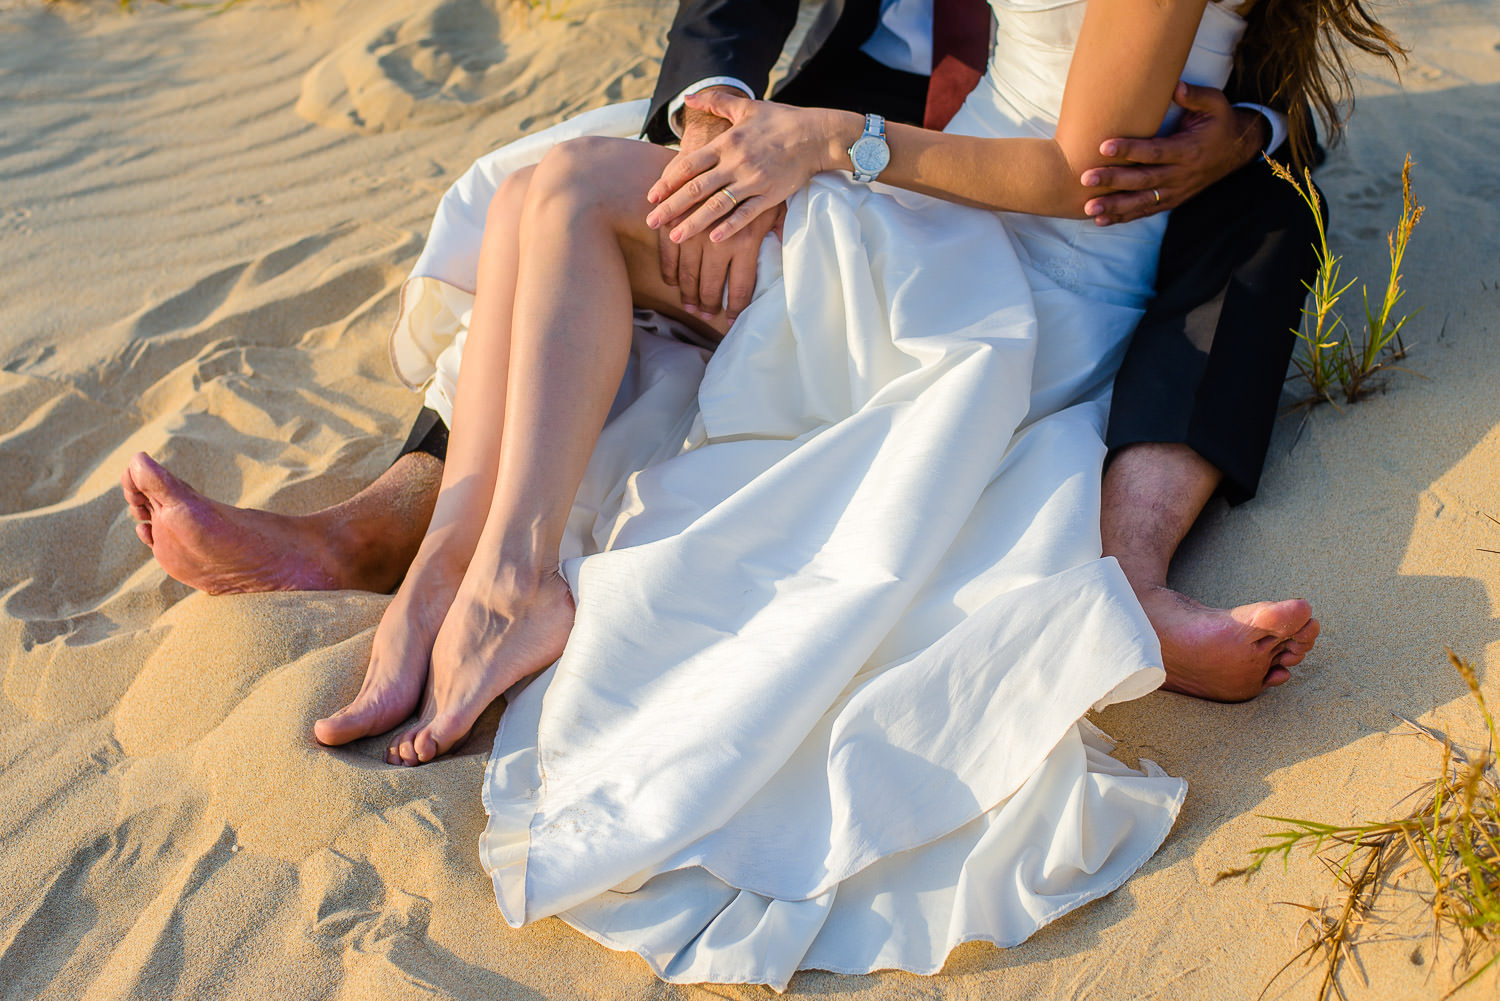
(923, 970)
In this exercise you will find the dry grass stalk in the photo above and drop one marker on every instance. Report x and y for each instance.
(1331, 356)
(212, 6)
(1452, 837)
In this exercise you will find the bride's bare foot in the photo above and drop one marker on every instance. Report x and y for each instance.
(1228, 655)
(485, 646)
(221, 549)
(398, 661)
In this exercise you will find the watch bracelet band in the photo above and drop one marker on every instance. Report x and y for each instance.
(874, 127)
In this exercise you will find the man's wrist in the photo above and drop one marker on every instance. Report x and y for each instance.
(1272, 120)
(676, 108)
(1254, 132)
(1263, 133)
(699, 128)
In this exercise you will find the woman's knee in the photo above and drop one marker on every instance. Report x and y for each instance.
(595, 173)
(510, 198)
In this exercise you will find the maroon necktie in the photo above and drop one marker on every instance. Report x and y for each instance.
(960, 48)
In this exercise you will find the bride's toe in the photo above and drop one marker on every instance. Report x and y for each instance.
(406, 753)
(439, 737)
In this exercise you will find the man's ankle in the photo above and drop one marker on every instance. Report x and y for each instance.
(360, 550)
(1144, 575)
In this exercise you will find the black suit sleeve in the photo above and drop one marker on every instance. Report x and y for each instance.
(738, 38)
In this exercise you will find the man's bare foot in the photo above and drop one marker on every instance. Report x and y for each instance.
(398, 661)
(1228, 655)
(483, 648)
(221, 549)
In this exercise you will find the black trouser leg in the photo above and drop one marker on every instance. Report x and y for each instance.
(1207, 362)
(428, 434)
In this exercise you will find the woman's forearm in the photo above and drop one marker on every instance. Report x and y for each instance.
(1125, 66)
(1012, 175)
(772, 149)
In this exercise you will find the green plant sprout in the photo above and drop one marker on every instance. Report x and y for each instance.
(548, 14)
(1452, 837)
(1331, 357)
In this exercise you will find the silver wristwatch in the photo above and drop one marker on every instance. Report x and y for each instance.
(870, 154)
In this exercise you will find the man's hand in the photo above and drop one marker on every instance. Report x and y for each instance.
(1213, 140)
(699, 268)
(702, 270)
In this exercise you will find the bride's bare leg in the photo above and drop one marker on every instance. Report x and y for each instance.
(588, 256)
(403, 641)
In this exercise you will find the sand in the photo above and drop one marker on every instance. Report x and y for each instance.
(204, 221)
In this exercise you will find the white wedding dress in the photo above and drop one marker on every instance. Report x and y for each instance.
(841, 605)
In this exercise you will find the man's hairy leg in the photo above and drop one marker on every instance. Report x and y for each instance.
(1152, 495)
(365, 543)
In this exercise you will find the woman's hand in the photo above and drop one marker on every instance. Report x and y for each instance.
(711, 277)
(769, 151)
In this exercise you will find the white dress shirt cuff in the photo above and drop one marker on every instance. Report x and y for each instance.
(674, 110)
(1273, 118)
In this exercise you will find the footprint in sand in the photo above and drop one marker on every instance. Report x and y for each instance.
(15, 219)
(427, 68)
(452, 59)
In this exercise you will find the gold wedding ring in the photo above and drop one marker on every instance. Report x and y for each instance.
(1157, 194)
(735, 201)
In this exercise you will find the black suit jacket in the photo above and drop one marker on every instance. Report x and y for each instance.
(743, 39)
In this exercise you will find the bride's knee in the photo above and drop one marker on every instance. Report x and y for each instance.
(510, 198)
(595, 172)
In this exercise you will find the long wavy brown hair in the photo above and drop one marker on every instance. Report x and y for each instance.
(1293, 57)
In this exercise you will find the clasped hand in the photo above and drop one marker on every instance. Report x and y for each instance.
(711, 236)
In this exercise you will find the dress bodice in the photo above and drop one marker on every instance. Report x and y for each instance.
(1111, 266)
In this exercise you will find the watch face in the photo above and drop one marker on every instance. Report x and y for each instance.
(870, 155)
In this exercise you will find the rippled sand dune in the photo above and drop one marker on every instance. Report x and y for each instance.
(204, 221)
